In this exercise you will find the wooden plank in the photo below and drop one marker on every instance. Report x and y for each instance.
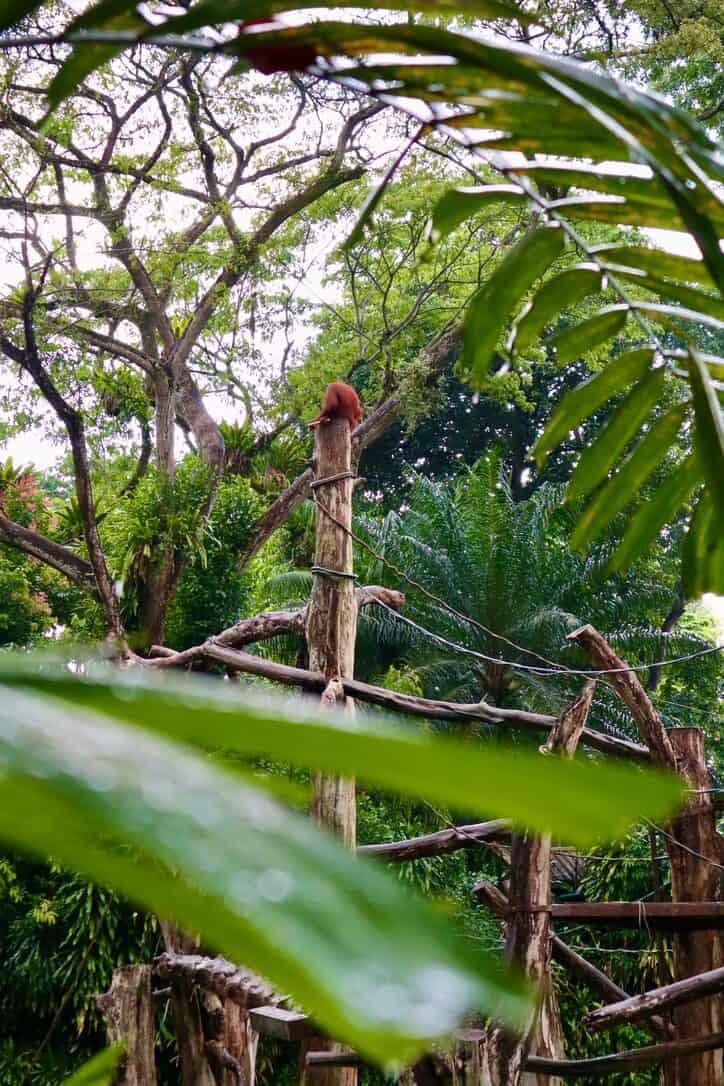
(675, 915)
(283, 1024)
(669, 995)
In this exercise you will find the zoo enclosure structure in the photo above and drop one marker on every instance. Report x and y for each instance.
(219, 1010)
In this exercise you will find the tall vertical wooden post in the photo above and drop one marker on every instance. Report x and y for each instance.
(696, 854)
(528, 938)
(331, 634)
(694, 879)
(128, 1008)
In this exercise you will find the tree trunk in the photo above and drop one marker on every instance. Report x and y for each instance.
(331, 633)
(186, 1015)
(128, 1008)
(528, 937)
(694, 879)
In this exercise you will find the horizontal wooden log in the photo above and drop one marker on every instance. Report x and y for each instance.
(269, 624)
(439, 843)
(674, 915)
(220, 976)
(610, 992)
(392, 700)
(649, 1056)
(283, 1024)
(669, 995)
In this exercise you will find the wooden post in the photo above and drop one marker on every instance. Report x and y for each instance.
(696, 854)
(186, 1014)
(332, 611)
(128, 1008)
(528, 943)
(694, 841)
(331, 633)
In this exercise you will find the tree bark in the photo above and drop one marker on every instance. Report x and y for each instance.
(502, 1056)
(331, 635)
(693, 878)
(695, 855)
(186, 1015)
(128, 1008)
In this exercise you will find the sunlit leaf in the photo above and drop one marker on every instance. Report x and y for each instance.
(576, 341)
(490, 308)
(624, 486)
(656, 261)
(654, 513)
(598, 458)
(582, 401)
(184, 838)
(571, 799)
(703, 551)
(570, 286)
(460, 204)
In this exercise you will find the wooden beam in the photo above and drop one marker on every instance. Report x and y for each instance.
(626, 1061)
(669, 995)
(629, 689)
(629, 1060)
(409, 704)
(565, 955)
(675, 915)
(283, 1024)
(439, 843)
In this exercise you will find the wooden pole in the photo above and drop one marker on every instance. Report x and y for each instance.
(128, 1008)
(696, 856)
(331, 633)
(695, 849)
(500, 1060)
(671, 995)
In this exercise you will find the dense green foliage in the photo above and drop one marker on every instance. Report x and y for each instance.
(505, 485)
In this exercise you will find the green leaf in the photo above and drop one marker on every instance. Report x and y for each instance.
(574, 342)
(556, 294)
(615, 494)
(208, 12)
(709, 435)
(657, 262)
(703, 551)
(651, 516)
(182, 837)
(695, 301)
(492, 306)
(582, 401)
(578, 801)
(99, 1070)
(598, 459)
(460, 204)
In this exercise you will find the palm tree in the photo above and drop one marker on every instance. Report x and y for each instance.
(507, 569)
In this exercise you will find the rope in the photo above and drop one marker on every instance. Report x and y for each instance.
(322, 571)
(332, 479)
(554, 669)
(589, 672)
(685, 848)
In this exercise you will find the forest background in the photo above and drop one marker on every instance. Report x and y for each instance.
(170, 202)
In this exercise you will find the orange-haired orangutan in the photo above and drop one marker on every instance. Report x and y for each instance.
(340, 402)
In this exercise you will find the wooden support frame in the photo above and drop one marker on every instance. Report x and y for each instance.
(128, 1009)
(669, 995)
(630, 1060)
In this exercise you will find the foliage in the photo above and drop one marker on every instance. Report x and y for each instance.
(103, 785)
